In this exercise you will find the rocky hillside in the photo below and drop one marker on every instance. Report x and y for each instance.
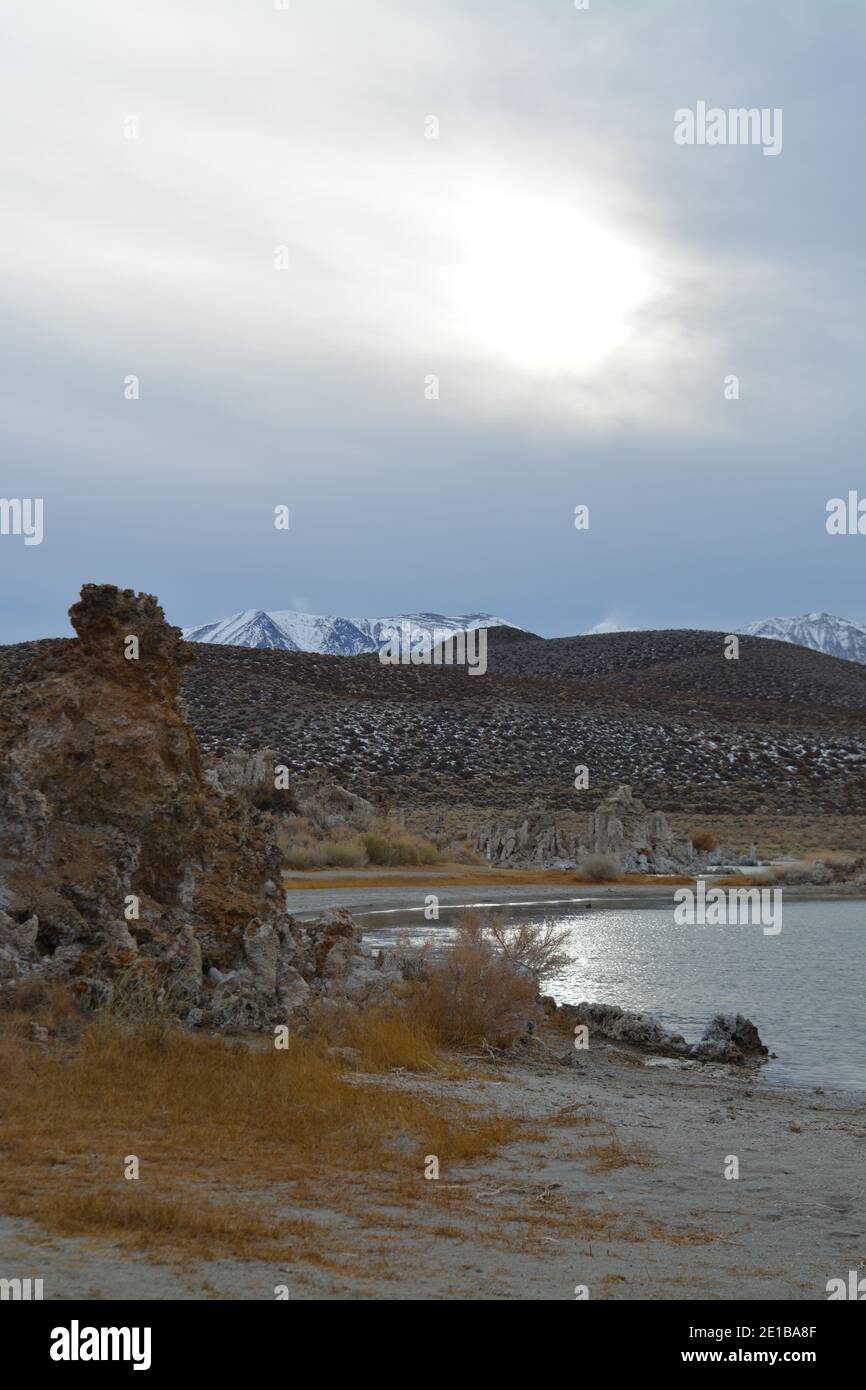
(779, 729)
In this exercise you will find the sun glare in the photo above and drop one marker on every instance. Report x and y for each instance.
(544, 288)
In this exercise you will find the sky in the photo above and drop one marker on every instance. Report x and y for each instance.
(431, 277)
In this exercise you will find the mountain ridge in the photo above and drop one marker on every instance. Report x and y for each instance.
(337, 635)
(325, 634)
(820, 632)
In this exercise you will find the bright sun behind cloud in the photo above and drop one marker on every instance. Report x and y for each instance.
(543, 288)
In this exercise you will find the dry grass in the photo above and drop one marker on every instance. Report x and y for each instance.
(465, 876)
(131, 1213)
(606, 1157)
(248, 1153)
(197, 1094)
(254, 1154)
(206, 1118)
(388, 1038)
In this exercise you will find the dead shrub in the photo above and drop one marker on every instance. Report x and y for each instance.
(704, 841)
(539, 947)
(474, 993)
(599, 868)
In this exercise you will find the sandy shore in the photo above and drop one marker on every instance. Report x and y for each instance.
(554, 1211)
(617, 1182)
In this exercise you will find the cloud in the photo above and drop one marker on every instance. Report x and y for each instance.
(579, 285)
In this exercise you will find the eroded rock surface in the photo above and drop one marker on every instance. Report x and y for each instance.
(730, 1038)
(727, 1037)
(119, 854)
(622, 828)
(622, 1025)
(636, 838)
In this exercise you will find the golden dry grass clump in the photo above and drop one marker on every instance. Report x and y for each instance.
(207, 1118)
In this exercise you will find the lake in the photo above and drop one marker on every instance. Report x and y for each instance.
(805, 989)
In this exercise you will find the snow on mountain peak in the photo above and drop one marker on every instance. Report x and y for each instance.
(289, 630)
(822, 632)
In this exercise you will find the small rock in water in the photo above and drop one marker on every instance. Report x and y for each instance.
(730, 1038)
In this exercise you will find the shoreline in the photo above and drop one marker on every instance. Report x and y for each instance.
(656, 897)
(305, 902)
(618, 1183)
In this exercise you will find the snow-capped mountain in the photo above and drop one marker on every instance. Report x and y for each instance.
(821, 631)
(291, 631)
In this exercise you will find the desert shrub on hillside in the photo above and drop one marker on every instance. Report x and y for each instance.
(599, 868)
(703, 840)
(344, 854)
(388, 850)
(304, 851)
(377, 848)
(305, 857)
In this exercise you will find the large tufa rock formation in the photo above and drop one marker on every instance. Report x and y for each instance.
(536, 841)
(621, 827)
(118, 854)
(638, 839)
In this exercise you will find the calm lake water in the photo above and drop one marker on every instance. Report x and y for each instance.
(805, 989)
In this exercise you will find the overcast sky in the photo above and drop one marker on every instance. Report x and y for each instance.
(579, 284)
